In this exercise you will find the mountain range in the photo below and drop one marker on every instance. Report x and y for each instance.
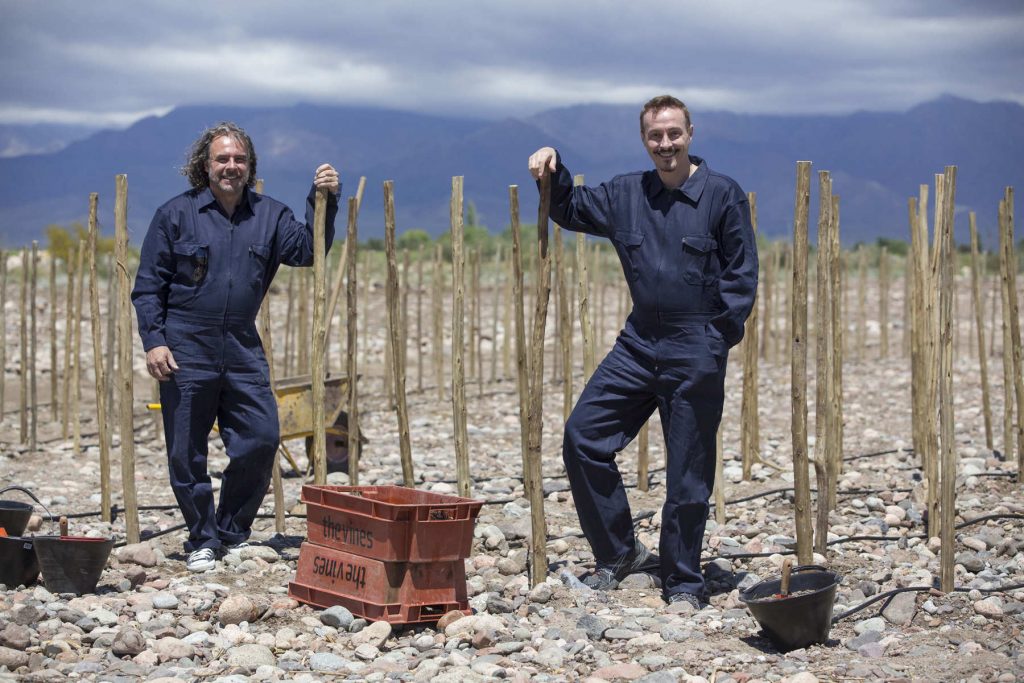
(877, 161)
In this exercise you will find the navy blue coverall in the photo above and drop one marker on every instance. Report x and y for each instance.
(690, 259)
(202, 277)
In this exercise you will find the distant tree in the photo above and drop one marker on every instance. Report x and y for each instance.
(413, 239)
(62, 243)
(895, 247)
(374, 244)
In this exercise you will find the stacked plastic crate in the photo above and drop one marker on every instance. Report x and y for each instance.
(386, 553)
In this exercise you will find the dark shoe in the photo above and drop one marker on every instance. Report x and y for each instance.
(606, 577)
(685, 598)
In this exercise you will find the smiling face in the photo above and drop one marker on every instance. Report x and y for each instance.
(667, 135)
(228, 167)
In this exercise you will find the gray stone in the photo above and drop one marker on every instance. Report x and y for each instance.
(971, 561)
(620, 634)
(863, 639)
(165, 600)
(871, 650)
(172, 648)
(593, 626)
(12, 659)
(375, 634)
(16, 636)
(128, 641)
(337, 616)
(872, 624)
(902, 609)
(262, 552)
(325, 661)
(251, 656)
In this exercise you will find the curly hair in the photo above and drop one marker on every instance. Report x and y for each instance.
(199, 154)
(660, 102)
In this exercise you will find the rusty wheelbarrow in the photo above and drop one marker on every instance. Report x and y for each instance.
(295, 414)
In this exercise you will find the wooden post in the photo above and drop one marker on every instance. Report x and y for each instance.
(351, 360)
(458, 339)
(53, 339)
(419, 318)
(1007, 353)
(522, 359)
(535, 492)
(931, 356)
(496, 311)
(883, 301)
(823, 358)
(23, 350)
(946, 258)
(478, 308)
(69, 342)
(110, 358)
(319, 336)
(266, 339)
(33, 389)
(342, 266)
(394, 330)
(565, 338)
(97, 357)
(289, 324)
(835, 462)
(801, 481)
(301, 347)
(76, 368)
(1014, 324)
(586, 327)
(124, 341)
(979, 321)
(437, 292)
(767, 291)
(506, 338)
(749, 444)
(862, 291)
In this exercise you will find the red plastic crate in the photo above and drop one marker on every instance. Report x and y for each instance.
(399, 592)
(391, 523)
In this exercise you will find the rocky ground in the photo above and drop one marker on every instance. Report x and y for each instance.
(151, 619)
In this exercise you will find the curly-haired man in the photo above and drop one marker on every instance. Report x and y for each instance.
(206, 263)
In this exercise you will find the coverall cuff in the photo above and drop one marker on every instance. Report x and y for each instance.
(153, 340)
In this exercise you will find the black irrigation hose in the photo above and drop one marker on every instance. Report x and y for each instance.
(921, 589)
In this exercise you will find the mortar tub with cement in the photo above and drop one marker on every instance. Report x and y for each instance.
(804, 615)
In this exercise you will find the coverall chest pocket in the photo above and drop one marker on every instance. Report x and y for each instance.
(697, 265)
(191, 262)
(259, 256)
(629, 243)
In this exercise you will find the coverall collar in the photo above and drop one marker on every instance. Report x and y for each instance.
(205, 200)
(691, 189)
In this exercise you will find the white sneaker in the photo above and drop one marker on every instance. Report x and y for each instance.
(201, 560)
(236, 547)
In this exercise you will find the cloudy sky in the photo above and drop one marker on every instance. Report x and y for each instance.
(103, 63)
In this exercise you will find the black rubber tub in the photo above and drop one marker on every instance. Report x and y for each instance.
(802, 618)
(14, 516)
(18, 562)
(72, 564)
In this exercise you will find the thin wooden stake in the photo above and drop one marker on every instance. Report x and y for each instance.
(53, 339)
(565, 328)
(979, 321)
(535, 492)
(946, 425)
(125, 368)
(643, 457)
(522, 358)
(23, 378)
(33, 389)
(883, 301)
(76, 369)
(458, 340)
(352, 329)
(801, 481)
(319, 337)
(719, 477)
(496, 313)
(1015, 341)
(97, 357)
(437, 309)
(394, 329)
(749, 428)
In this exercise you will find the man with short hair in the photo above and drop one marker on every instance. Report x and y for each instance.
(206, 263)
(684, 237)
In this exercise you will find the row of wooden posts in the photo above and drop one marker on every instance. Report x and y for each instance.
(928, 338)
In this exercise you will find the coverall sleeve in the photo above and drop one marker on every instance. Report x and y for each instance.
(738, 282)
(153, 281)
(295, 240)
(580, 209)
